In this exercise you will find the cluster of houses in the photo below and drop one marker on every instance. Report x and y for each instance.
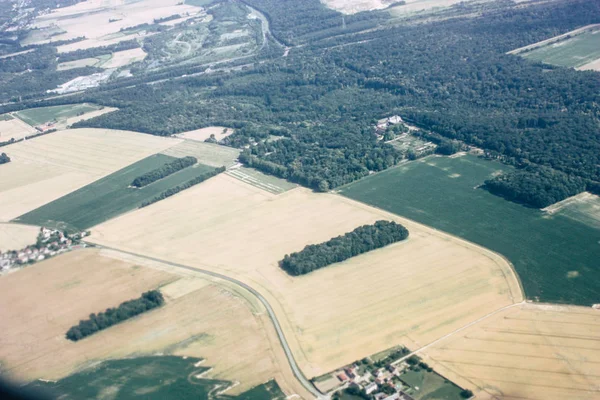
(50, 242)
(45, 127)
(381, 383)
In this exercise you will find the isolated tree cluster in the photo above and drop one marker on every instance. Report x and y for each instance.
(112, 316)
(361, 240)
(165, 170)
(4, 158)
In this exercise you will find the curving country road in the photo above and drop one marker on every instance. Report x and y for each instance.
(286, 348)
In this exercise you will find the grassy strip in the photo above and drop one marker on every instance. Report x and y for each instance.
(186, 185)
(113, 316)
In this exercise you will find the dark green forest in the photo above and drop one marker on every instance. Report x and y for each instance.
(166, 170)
(112, 316)
(361, 240)
(535, 186)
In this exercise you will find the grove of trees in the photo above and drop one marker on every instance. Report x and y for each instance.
(4, 158)
(166, 170)
(361, 240)
(112, 316)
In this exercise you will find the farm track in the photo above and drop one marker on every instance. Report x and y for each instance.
(286, 348)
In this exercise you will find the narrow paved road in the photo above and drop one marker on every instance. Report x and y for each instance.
(286, 348)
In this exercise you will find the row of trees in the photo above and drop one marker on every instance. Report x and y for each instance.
(172, 191)
(535, 186)
(361, 240)
(164, 171)
(113, 316)
(4, 158)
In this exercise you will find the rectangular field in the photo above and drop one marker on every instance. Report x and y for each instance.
(14, 128)
(110, 196)
(571, 51)
(16, 236)
(39, 116)
(48, 167)
(556, 257)
(270, 183)
(409, 293)
(207, 153)
(537, 352)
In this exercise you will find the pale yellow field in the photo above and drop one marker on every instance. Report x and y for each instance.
(48, 167)
(411, 292)
(16, 236)
(125, 57)
(200, 318)
(591, 66)
(411, 6)
(201, 135)
(527, 352)
(15, 128)
(91, 18)
(207, 153)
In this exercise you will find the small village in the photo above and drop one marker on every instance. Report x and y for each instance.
(50, 242)
(383, 376)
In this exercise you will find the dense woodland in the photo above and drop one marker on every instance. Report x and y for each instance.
(4, 158)
(163, 171)
(536, 186)
(451, 77)
(183, 186)
(113, 316)
(361, 240)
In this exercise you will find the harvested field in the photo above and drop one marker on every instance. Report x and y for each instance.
(42, 115)
(50, 166)
(92, 20)
(16, 236)
(202, 134)
(14, 128)
(125, 57)
(526, 352)
(206, 153)
(211, 322)
(337, 314)
(84, 62)
(110, 196)
(411, 6)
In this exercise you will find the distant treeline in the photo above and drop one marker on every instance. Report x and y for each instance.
(113, 316)
(98, 51)
(186, 185)
(165, 170)
(361, 240)
(535, 186)
(166, 19)
(4, 158)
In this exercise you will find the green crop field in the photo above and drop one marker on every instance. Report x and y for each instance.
(5, 117)
(430, 386)
(148, 378)
(110, 196)
(38, 116)
(256, 178)
(556, 257)
(574, 52)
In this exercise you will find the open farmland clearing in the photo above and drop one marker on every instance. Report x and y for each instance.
(50, 166)
(530, 351)
(329, 319)
(42, 115)
(202, 134)
(111, 195)
(16, 236)
(256, 178)
(195, 323)
(206, 153)
(545, 249)
(14, 128)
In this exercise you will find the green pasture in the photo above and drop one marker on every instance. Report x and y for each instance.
(573, 52)
(148, 378)
(110, 196)
(430, 386)
(555, 256)
(41, 115)
(270, 183)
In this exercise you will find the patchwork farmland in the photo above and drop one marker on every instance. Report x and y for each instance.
(555, 256)
(39, 116)
(51, 166)
(442, 282)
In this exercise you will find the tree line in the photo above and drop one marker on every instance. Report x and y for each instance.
(361, 240)
(535, 186)
(164, 171)
(173, 191)
(112, 316)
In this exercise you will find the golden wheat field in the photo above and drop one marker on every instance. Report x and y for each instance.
(201, 318)
(411, 292)
(14, 128)
(17, 236)
(532, 351)
(48, 167)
